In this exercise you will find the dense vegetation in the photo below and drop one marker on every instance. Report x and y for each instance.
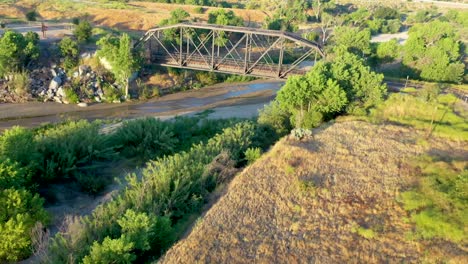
(79, 152)
(343, 84)
(152, 211)
(16, 51)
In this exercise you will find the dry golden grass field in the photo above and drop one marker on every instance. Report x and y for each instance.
(328, 199)
(131, 16)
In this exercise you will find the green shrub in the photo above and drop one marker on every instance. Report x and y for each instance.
(17, 51)
(274, 116)
(439, 203)
(15, 242)
(20, 83)
(111, 93)
(366, 233)
(31, 15)
(19, 213)
(110, 251)
(170, 188)
(199, 10)
(90, 182)
(137, 228)
(71, 95)
(384, 12)
(75, 21)
(69, 50)
(83, 31)
(73, 148)
(145, 138)
(252, 154)
(18, 145)
(13, 175)
(388, 51)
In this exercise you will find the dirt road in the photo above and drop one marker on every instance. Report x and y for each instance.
(54, 30)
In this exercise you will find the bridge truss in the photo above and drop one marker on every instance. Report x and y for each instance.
(228, 49)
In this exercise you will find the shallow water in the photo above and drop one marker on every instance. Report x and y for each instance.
(34, 113)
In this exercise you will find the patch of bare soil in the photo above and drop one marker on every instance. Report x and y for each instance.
(304, 202)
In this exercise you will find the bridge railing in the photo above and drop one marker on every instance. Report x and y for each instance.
(229, 64)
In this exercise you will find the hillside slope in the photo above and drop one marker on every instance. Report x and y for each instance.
(328, 199)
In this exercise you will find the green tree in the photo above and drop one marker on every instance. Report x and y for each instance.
(17, 51)
(354, 39)
(223, 17)
(123, 61)
(83, 31)
(69, 50)
(434, 51)
(384, 12)
(177, 16)
(342, 84)
(388, 51)
(314, 95)
(110, 251)
(226, 18)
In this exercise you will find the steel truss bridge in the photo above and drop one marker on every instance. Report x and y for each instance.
(228, 49)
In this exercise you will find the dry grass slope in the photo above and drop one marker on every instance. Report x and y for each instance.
(329, 199)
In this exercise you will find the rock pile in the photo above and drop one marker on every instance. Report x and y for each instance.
(53, 84)
(85, 78)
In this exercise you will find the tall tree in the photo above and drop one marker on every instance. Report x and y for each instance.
(434, 51)
(121, 58)
(17, 50)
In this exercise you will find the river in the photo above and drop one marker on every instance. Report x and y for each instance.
(227, 100)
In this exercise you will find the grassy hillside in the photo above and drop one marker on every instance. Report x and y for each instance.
(327, 199)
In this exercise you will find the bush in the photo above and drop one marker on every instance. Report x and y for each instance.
(69, 50)
(18, 215)
(111, 93)
(277, 118)
(75, 21)
(391, 26)
(386, 13)
(71, 96)
(83, 31)
(91, 183)
(18, 145)
(199, 10)
(252, 154)
(20, 83)
(31, 15)
(110, 251)
(12, 175)
(17, 51)
(388, 51)
(73, 148)
(145, 138)
(170, 188)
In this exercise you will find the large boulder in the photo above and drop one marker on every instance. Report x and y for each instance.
(55, 83)
(60, 92)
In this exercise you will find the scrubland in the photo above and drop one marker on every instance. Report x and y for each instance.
(331, 198)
